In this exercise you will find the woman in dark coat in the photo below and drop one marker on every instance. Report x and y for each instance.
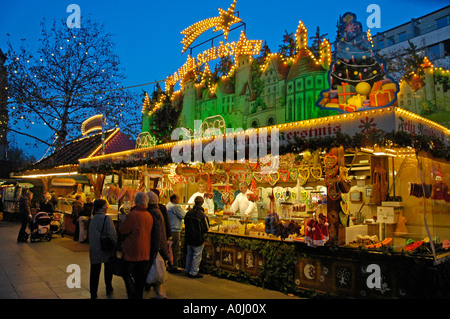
(97, 256)
(24, 214)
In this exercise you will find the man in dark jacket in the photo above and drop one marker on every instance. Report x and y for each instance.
(196, 225)
(24, 213)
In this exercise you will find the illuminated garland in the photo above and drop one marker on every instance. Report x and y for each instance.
(430, 145)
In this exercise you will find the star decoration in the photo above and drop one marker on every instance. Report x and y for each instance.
(247, 47)
(227, 18)
(350, 28)
(222, 22)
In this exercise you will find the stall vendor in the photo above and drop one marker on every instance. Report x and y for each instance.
(208, 203)
(247, 208)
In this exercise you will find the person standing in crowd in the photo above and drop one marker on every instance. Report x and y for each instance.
(25, 215)
(176, 216)
(98, 256)
(83, 220)
(136, 230)
(46, 204)
(208, 203)
(77, 207)
(163, 211)
(196, 225)
(246, 207)
(159, 239)
(54, 200)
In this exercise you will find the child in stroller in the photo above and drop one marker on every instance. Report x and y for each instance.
(40, 227)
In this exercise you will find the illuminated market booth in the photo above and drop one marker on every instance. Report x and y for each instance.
(350, 191)
(59, 172)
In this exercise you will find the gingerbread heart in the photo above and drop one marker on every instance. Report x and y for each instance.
(293, 173)
(316, 171)
(331, 171)
(301, 180)
(344, 206)
(207, 168)
(226, 198)
(204, 177)
(333, 192)
(294, 194)
(258, 176)
(303, 172)
(223, 177)
(284, 175)
(330, 160)
(248, 178)
(214, 178)
(331, 180)
(273, 178)
(233, 177)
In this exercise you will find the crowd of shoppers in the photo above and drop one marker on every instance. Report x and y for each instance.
(149, 231)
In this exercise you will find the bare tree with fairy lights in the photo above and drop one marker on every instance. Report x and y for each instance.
(73, 75)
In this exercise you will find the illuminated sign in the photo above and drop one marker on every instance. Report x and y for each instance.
(94, 123)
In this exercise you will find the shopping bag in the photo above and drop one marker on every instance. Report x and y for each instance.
(157, 272)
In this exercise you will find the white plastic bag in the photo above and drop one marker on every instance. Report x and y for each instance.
(157, 272)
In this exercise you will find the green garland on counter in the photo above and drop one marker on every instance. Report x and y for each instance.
(277, 272)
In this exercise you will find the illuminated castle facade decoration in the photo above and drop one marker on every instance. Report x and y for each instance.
(251, 87)
(258, 90)
(427, 95)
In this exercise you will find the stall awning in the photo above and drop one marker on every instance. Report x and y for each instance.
(364, 123)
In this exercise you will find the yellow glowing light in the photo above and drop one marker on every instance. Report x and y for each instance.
(222, 22)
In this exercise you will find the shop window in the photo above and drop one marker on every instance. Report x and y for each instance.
(402, 37)
(442, 22)
(434, 52)
(447, 47)
(299, 84)
(391, 41)
(380, 44)
(270, 121)
(255, 124)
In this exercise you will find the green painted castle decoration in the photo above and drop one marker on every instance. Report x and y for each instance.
(249, 87)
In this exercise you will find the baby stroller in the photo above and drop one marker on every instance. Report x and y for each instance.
(40, 227)
(56, 223)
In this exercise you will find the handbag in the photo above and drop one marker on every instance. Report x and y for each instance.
(117, 265)
(157, 272)
(106, 243)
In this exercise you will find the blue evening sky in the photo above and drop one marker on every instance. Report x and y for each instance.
(147, 33)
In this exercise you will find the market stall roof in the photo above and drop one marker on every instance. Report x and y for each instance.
(410, 128)
(66, 159)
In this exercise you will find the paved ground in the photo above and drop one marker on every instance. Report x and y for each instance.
(39, 271)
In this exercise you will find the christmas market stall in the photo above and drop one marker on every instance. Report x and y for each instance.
(59, 173)
(315, 181)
